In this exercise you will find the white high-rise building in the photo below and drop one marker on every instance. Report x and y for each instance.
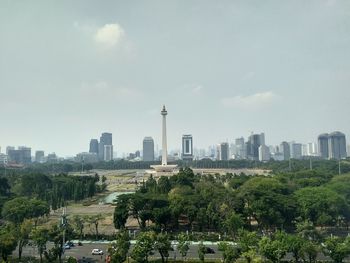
(187, 147)
(108, 153)
(295, 150)
(337, 145)
(148, 149)
(264, 153)
(311, 149)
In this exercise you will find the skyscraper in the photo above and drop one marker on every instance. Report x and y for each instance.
(323, 150)
(20, 156)
(295, 150)
(93, 146)
(148, 149)
(224, 151)
(253, 144)
(240, 148)
(337, 145)
(187, 147)
(105, 139)
(285, 150)
(264, 153)
(39, 156)
(108, 153)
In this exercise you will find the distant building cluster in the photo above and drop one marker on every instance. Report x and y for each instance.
(329, 146)
(98, 151)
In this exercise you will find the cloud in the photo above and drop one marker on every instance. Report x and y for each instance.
(252, 102)
(248, 75)
(193, 87)
(103, 88)
(109, 36)
(197, 89)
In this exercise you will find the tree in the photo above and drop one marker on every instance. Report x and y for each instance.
(295, 245)
(230, 252)
(95, 219)
(337, 248)
(22, 233)
(20, 208)
(79, 224)
(56, 235)
(268, 201)
(121, 211)
(119, 249)
(274, 248)
(248, 244)
(143, 247)
(71, 260)
(321, 205)
(310, 251)
(247, 240)
(163, 245)
(16, 210)
(233, 223)
(8, 241)
(38, 208)
(183, 245)
(201, 251)
(308, 231)
(40, 237)
(163, 185)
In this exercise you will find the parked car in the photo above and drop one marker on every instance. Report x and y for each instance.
(96, 251)
(70, 243)
(209, 250)
(66, 246)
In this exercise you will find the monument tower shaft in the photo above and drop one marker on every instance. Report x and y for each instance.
(164, 113)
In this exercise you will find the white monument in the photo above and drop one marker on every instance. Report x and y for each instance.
(164, 167)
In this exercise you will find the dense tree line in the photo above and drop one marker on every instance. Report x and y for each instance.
(275, 166)
(224, 204)
(55, 190)
(29, 197)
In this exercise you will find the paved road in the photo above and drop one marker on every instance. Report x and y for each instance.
(84, 252)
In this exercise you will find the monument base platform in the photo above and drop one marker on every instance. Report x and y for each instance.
(164, 168)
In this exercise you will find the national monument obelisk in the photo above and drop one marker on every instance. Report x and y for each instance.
(164, 167)
(164, 113)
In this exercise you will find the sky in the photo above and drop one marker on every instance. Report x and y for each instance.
(70, 70)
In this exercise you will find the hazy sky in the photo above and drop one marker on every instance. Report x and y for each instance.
(70, 70)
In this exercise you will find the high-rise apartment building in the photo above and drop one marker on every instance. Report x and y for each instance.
(148, 149)
(187, 147)
(3, 159)
(285, 150)
(264, 153)
(295, 150)
(337, 145)
(93, 146)
(9, 148)
(240, 148)
(105, 140)
(311, 149)
(20, 156)
(39, 156)
(108, 153)
(253, 144)
(224, 151)
(323, 150)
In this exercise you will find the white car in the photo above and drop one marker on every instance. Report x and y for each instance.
(96, 251)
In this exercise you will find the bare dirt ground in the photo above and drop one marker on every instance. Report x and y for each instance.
(121, 181)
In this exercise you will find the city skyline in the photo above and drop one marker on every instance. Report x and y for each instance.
(232, 68)
(255, 148)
